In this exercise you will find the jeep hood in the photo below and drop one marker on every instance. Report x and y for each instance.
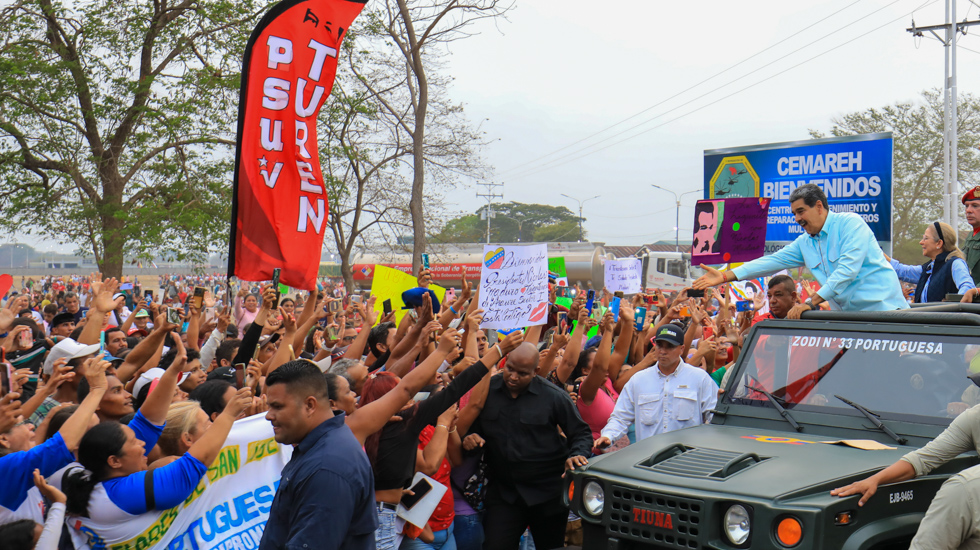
(790, 462)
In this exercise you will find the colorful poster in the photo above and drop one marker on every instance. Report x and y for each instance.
(241, 483)
(514, 286)
(556, 266)
(729, 230)
(279, 207)
(389, 283)
(623, 275)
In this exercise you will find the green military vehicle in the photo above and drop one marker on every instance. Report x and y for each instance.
(811, 405)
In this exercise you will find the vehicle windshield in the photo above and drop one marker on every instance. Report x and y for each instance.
(893, 374)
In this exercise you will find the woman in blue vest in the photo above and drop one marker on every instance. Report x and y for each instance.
(946, 271)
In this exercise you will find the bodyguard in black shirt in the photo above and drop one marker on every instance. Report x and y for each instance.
(527, 455)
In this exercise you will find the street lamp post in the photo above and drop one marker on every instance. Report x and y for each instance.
(580, 203)
(677, 215)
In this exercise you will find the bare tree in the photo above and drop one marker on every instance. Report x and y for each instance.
(420, 31)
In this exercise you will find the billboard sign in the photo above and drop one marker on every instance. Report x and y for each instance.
(854, 171)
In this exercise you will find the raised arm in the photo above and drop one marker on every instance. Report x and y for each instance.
(600, 365)
(373, 416)
(574, 349)
(145, 350)
(368, 317)
(285, 352)
(77, 424)
(128, 323)
(624, 342)
(100, 306)
(157, 403)
(207, 447)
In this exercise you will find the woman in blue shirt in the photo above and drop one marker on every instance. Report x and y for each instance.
(115, 494)
(946, 271)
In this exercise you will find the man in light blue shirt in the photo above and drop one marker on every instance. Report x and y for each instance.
(841, 252)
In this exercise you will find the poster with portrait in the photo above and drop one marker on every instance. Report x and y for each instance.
(729, 230)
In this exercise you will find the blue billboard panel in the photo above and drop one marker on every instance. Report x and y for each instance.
(855, 172)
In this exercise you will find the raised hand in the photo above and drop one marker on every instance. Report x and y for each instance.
(238, 403)
(53, 494)
(511, 342)
(449, 339)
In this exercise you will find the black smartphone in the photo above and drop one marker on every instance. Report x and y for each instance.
(198, 300)
(563, 321)
(387, 305)
(420, 489)
(148, 294)
(425, 261)
(275, 286)
(561, 292)
(694, 293)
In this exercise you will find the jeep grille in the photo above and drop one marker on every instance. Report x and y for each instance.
(685, 518)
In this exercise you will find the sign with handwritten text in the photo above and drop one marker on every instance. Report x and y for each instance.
(623, 275)
(729, 230)
(514, 286)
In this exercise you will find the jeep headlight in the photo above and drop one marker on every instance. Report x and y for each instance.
(593, 498)
(737, 524)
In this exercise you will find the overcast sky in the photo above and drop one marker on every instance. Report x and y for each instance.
(557, 72)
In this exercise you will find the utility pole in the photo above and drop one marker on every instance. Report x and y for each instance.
(490, 195)
(951, 189)
(677, 213)
(581, 234)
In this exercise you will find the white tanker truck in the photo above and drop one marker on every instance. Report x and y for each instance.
(584, 264)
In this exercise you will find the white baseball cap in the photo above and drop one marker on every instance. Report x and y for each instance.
(67, 349)
(153, 375)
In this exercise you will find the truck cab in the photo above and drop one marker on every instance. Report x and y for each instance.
(810, 405)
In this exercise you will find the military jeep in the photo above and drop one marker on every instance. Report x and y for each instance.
(810, 405)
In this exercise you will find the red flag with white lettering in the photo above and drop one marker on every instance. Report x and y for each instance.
(279, 210)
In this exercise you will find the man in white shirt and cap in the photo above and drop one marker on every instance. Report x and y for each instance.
(668, 396)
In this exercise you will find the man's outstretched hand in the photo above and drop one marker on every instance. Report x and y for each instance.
(711, 277)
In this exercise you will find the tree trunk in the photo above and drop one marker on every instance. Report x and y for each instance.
(346, 271)
(415, 205)
(113, 247)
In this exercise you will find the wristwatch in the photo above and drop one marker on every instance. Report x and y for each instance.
(809, 303)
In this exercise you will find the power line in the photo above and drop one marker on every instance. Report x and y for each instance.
(682, 92)
(551, 164)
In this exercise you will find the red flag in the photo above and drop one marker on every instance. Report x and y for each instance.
(279, 210)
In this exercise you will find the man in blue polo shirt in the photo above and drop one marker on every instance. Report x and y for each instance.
(838, 248)
(325, 498)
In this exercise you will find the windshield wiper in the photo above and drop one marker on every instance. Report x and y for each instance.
(874, 420)
(779, 408)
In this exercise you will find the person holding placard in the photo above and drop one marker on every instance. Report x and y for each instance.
(838, 248)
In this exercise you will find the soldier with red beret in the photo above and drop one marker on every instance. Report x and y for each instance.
(972, 244)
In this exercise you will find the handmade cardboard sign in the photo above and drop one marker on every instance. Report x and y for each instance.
(729, 230)
(514, 286)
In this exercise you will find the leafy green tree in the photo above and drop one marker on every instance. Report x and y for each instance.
(917, 179)
(513, 222)
(117, 123)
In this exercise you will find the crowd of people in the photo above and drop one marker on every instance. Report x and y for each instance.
(115, 401)
(109, 398)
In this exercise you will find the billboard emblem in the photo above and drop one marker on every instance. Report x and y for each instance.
(734, 178)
